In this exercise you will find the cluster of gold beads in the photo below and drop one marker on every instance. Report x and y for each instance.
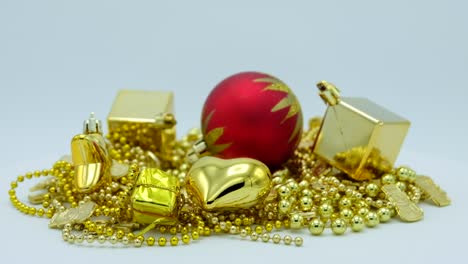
(306, 194)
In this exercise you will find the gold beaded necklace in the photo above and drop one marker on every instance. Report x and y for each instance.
(306, 193)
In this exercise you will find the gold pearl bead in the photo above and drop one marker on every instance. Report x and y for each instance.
(120, 234)
(401, 186)
(284, 206)
(258, 230)
(79, 239)
(243, 233)
(384, 214)
(307, 193)
(287, 240)
(185, 239)
(372, 219)
(278, 224)
(90, 238)
(265, 237)
(338, 226)
(316, 227)
(372, 189)
(276, 238)
(306, 203)
(284, 191)
(388, 179)
(207, 231)
(326, 210)
(254, 236)
(195, 235)
(137, 242)
(296, 221)
(293, 186)
(113, 239)
(346, 213)
(357, 223)
(217, 229)
(269, 227)
(345, 202)
(405, 174)
(298, 241)
(150, 241)
(162, 241)
(101, 239)
(363, 211)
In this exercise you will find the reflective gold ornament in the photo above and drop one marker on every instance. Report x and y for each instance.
(358, 136)
(228, 184)
(90, 157)
(154, 198)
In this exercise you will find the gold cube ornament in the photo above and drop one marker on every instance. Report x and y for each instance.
(358, 136)
(146, 119)
(154, 198)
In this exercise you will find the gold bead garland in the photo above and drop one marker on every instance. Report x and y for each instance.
(306, 193)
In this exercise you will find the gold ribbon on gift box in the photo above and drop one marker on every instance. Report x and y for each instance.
(155, 197)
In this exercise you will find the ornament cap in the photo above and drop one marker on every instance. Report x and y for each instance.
(165, 120)
(92, 125)
(198, 149)
(329, 93)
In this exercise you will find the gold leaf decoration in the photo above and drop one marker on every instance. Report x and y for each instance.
(213, 135)
(289, 101)
(72, 215)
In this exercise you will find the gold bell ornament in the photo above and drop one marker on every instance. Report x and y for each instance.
(90, 157)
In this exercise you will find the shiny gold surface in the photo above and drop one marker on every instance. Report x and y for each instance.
(218, 184)
(435, 193)
(360, 137)
(91, 162)
(406, 209)
(147, 118)
(155, 197)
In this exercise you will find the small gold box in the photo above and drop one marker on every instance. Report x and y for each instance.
(155, 197)
(145, 119)
(358, 136)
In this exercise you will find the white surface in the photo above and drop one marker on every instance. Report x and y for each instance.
(60, 60)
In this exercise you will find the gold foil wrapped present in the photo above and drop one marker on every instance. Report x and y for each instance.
(155, 196)
(358, 136)
(145, 119)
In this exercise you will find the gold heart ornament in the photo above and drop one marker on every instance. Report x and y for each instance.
(218, 184)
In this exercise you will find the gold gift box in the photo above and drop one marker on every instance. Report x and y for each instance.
(358, 136)
(145, 119)
(154, 198)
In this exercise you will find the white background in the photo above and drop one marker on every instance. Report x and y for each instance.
(60, 60)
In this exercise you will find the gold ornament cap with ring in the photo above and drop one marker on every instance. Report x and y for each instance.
(358, 136)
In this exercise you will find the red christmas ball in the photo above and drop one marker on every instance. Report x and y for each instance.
(254, 115)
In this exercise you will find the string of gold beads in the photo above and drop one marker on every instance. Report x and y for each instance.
(305, 194)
